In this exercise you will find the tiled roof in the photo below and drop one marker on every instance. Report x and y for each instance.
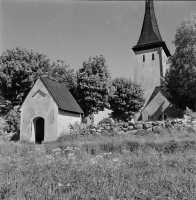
(61, 95)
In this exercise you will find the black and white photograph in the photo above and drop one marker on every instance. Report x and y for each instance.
(97, 100)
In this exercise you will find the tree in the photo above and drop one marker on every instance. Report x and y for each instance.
(127, 99)
(93, 85)
(61, 73)
(19, 69)
(181, 77)
(13, 120)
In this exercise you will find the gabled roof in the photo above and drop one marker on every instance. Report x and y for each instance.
(61, 95)
(156, 91)
(150, 36)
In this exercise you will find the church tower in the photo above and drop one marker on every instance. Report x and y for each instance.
(151, 54)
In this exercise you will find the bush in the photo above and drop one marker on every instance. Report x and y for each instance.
(106, 121)
(13, 121)
(188, 111)
(3, 125)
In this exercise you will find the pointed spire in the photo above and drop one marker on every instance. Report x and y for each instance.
(150, 30)
(150, 36)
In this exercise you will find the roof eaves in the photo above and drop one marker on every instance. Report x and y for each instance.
(71, 111)
(152, 45)
(75, 109)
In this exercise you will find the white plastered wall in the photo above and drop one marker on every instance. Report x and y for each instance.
(164, 62)
(44, 107)
(65, 119)
(147, 73)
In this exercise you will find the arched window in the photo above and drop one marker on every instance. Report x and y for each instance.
(162, 117)
(153, 56)
(143, 58)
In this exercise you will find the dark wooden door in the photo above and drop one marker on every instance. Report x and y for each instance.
(39, 130)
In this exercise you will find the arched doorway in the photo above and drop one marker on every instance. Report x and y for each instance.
(38, 123)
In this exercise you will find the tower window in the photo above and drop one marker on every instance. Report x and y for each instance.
(153, 56)
(143, 58)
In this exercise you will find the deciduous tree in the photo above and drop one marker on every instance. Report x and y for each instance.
(181, 77)
(19, 69)
(60, 72)
(127, 99)
(93, 85)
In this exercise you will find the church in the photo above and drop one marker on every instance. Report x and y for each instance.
(150, 65)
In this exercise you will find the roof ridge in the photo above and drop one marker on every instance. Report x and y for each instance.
(52, 80)
(41, 78)
(61, 95)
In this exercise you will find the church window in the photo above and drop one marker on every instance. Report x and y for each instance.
(153, 56)
(162, 117)
(143, 58)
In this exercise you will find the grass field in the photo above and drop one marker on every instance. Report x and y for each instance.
(148, 166)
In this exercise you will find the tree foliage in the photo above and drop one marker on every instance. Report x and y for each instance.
(13, 120)
(127, 99)
(61, 73)
(181, 77)
(19, 69)
(93, 85)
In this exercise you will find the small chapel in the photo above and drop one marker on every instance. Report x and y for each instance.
(47, 112)
(150, 65)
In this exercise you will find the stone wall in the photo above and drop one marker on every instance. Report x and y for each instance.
(130, 128)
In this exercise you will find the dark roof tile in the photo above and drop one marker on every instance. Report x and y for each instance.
(61, 95)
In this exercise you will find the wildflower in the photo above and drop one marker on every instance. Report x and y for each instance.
(109, 153)
(68, 185)
(92, 161)
(60, 184)
(99, 156)
(71, 156)
(56, 150)
(69, 149)
(49, 156)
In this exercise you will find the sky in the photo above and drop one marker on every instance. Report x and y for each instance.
(73, 31)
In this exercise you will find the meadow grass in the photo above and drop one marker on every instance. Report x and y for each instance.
(148, 166)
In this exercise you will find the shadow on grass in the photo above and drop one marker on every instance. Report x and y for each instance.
(15, 137)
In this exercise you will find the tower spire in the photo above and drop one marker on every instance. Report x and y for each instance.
(150, 36)
(150, 30)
